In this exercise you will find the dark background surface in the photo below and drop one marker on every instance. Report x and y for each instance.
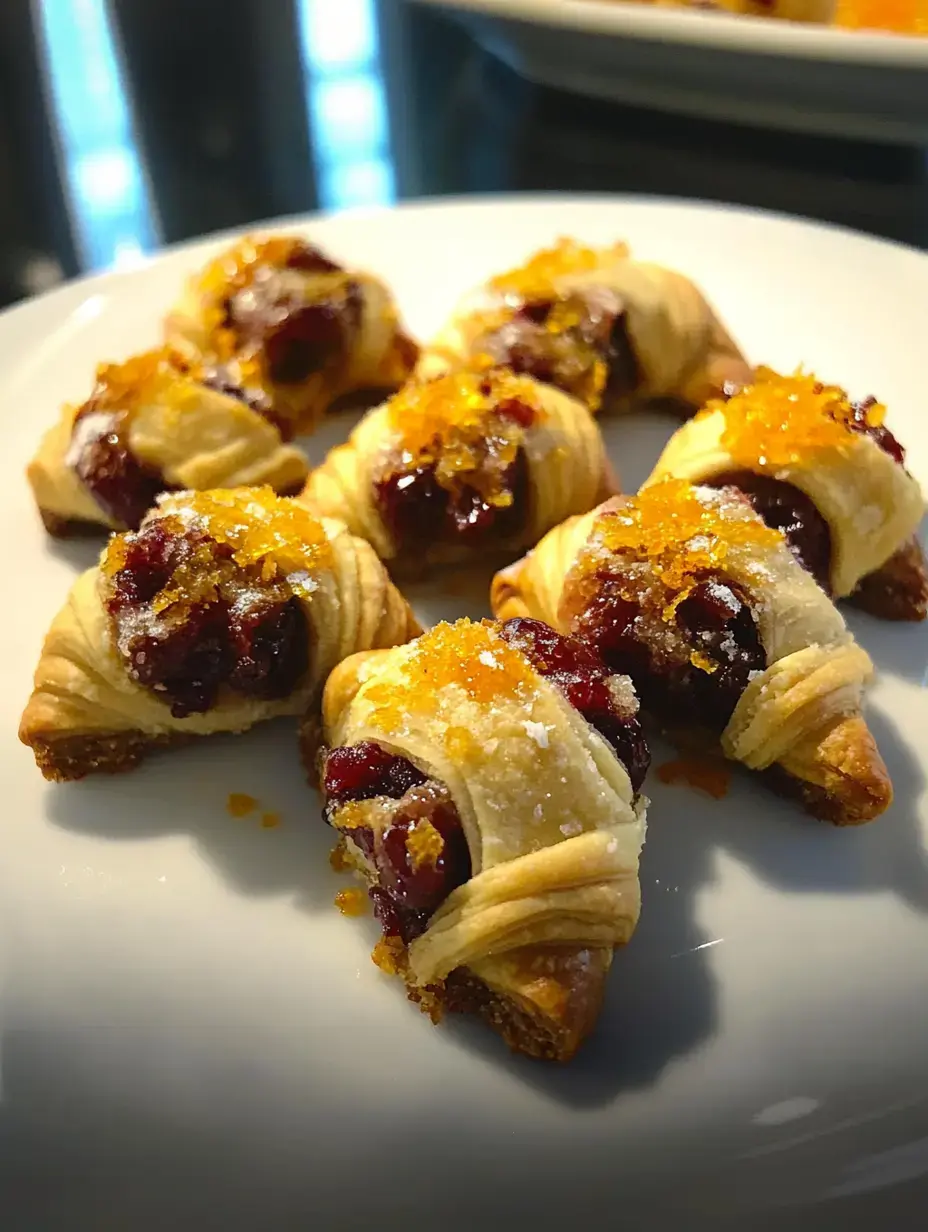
(125, 124)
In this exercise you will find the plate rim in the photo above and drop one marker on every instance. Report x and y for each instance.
(724, 32)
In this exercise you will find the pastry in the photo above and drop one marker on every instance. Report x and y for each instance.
(825, 471)
(223, 609)
(152, 424)
(485, 781)
(303, 328)
(466, 465)
(729, 641)
(606, 328)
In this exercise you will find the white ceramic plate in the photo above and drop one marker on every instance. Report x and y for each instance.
(738, 69)
(190, 1033)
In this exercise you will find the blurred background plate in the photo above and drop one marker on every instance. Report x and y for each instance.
(804, 78)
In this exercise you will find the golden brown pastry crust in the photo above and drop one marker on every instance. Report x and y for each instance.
(380, 354)
(683, 352)
(568, 469)
(194, 436)
(796, 430)
(802, 713)
(86, 714)
(527, 941)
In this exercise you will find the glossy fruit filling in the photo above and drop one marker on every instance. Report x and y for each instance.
(241, 633)
(589, 686)
(411, 837)
(580, 344)
(689, 666)
(785, 508)
(99, 454)
(302, 330)
(859, 421)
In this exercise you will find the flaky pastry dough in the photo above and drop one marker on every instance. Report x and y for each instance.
(86, 713)
(802, 713)
(681, 347)
(553, 826)
(871, 503)
(568, 470)
(193, 436)
(378, 354)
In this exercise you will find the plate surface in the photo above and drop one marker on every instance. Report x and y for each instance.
(190, 1033)
(751, 70)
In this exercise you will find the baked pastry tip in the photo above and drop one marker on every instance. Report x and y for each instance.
(308, 330)
(225, 608)
(604, 327)
(155, 423)
(485, 781)
(731, 644)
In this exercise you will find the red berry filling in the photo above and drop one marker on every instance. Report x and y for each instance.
(714, 623)
(534, 343)
(239, 633)
(787, 509)
(123, 487)
(415, 847)
(583, 678)
(418, 511)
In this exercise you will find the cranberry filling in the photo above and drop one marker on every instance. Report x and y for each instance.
(362, 771)
(300, 336)
(883, 437)
(417, 510)
(787, 509)
(123, 487)
(582, 677)
(714, 620)
(408, 890)
(250, 636)
(565, 357)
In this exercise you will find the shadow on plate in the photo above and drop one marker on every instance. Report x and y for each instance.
(897, 649)
(80, 552)
(185, 791)
(797, 853)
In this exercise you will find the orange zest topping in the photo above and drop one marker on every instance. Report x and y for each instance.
(270, 820)
(141, 378)
(275, 536)
(424, 844)
(240, 805)
(458, 424)
(351, 901)
(899, 16)
(469, 656)
(338, 858)
(681, 534)
(235, 268)
(781, 420)
(708, 776)
(539, 275)
(389, 954)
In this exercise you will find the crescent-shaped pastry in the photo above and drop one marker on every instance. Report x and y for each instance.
(824, 470)
(464, 466)
(729, 641)
(306, 330)
(599, 325)
(225, 608)
(485, 780)
(152, 424)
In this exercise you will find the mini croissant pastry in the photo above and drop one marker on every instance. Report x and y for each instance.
(601, 326)
(728, 640)
(225, 608)
(485, 782)
(307, 330)
(152, 424)
(462, 466)
(825, 471)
